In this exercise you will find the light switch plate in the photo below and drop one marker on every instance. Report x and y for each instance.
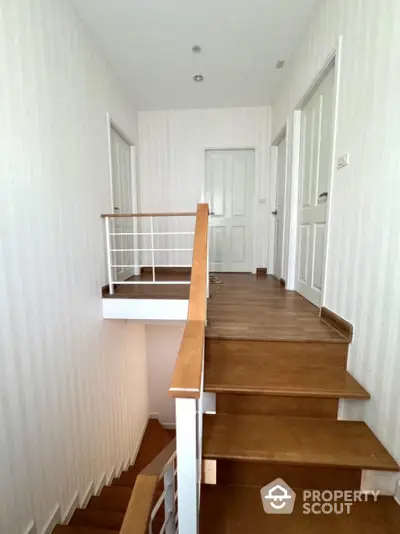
(343, 161)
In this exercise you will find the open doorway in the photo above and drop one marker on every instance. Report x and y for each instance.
(280, 204)
(317, 112)
(123, 201)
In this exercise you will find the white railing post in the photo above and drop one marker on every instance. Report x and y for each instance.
(188, 465)
(169, 502)
(152, 248)
(109, 260)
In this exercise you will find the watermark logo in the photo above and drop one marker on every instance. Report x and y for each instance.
(278, 497)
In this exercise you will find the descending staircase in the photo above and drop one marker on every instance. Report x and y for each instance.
(276, 417)
(105, 512)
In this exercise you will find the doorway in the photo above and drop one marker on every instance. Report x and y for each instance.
(315, 170)
(229, 187)
(279, 212)
(123, 240)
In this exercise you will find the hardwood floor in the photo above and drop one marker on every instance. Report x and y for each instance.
(238, 510)
(148, 291)
(245, 306)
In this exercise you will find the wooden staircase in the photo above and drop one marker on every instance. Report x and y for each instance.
(276, 416)
(105, 513)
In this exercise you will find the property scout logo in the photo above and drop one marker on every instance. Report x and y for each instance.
(279, 498)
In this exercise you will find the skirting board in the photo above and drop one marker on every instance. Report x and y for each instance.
(55, 518)
(86, 496)
(70, 509)
(382, 481)
(31, 528)
(337, 322)
(101, 484)
(397, 493)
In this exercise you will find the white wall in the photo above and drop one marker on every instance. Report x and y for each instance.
(163, 342)
(172, 148)
(362, 284)
(73, 387)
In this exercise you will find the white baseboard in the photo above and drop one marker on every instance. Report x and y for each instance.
(55, 518)
(169, 425)
(71, 509)
(383, 481)
(87, 494)
(100, 485)
(31, 528)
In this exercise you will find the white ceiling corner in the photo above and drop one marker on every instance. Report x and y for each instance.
(148, 44)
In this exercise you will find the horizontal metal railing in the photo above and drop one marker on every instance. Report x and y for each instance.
(112, 250)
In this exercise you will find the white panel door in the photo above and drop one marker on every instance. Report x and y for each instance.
(230, 185)
(280, 207)
(122, 203)
(315, 171)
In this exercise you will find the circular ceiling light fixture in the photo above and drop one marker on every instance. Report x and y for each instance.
(196, 49)
(198, 78)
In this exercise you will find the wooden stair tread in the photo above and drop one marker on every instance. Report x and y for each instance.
(293, 440)
(67, 529)
(107, 519)
(251, 377)
(235, 509)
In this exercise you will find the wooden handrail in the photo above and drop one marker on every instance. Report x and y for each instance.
(177, 214)
(140, 505)
(186, 378)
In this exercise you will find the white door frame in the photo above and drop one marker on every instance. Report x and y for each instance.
(111, 124)
(334, 58)
(272, 195)
(254, 203)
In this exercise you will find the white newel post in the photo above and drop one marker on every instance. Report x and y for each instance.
(169, 503)
(109, 262)
(188, 465)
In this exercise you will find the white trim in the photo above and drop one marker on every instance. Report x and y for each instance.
(334, 57)
(55, 518)
(31, 528)
(87, 495)
(73, 505)
(100, 485)
(165, 310)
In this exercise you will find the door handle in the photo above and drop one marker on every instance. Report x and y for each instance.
(275, 212)
(323, 195)
(212, 213)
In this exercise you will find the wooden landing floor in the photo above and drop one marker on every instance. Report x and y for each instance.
(148, 291)
(244, 306)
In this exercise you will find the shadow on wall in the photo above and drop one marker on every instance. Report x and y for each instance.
(162, 342)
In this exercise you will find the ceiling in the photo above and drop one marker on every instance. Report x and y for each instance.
(149, 45)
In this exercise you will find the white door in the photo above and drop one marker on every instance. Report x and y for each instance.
(280, 207)
(230, 185)
(122, 203)
(314, 179)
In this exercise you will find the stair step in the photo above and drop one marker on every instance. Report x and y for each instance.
(269, 354)
(252, 376)
(274, 405)
(256, 474)
(294, 440)
(106, 519)
(67, 529)
(235, 509)
(112, 498)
